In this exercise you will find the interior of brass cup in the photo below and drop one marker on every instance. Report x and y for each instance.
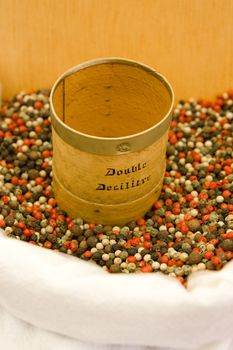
(111, 99)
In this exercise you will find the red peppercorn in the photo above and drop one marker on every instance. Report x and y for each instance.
(210, 167)
(141, 222)
(22, 128)
(47, 244)
(87, 254)
(229, 255)
(208, 255)
(164, 259)
(74, 245)
(177, 176)
(216, 260)
(21, 225)
(226, 194)
(179, 135)
(184, 228)
(52, 202)
(147, 268)
(228, 170)
(52, 223)
(196, 249)
(20, 198)
(214, 241)
(27, 142)
(23, 182)
(135, 241)
(219, 251)
(47, 193)
(229, 235)
(180, 279)
(5, 199)
(27, 232)
(131, 259)
(189, 197)
(70, 225)
(46, 153)
(147, 236)
(188, 217)
(203, 195)
(15, 180)
(209, 207)
(169, 202)
(205, 217)
(173, 139)
(38, 180)
(2, 223)
(28, 209)
(38, 105)
(147, 245)
(171, 262)
(37, 215)
(28, 195)
(67, 244)
(38, 129)
(176, 210)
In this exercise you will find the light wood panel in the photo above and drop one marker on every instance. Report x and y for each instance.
(189, 41)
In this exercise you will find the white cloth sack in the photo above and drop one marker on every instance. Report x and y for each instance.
(90, 309)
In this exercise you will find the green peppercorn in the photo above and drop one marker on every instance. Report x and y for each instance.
(227, 244)
(115, 268)
(194, 258)
(92, 241)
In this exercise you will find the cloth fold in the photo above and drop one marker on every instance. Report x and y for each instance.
(78, 300)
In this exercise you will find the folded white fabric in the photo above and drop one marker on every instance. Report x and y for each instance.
(77, 299)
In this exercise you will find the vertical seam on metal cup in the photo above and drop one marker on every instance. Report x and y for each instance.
(63, 100)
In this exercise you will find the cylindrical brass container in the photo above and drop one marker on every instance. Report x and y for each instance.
(110, 120)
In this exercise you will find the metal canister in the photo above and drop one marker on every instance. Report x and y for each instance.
(110, 121)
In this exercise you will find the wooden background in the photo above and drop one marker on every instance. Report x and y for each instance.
(189, 41)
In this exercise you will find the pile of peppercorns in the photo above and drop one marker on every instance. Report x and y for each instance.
(189, 228)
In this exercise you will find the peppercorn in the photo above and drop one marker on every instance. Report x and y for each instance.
(131, 225)
(194, 258)
(108, 249)
(163, 235)
(13, 205)
(116, 246)
(63, 249)
(33, 155)
(17, 231)
(33, 174)
(88, 233)
(132, 251)
(227, 244)
(92, 241)
(98, 229)
(9, 220)
(115, 268)
(96, 256)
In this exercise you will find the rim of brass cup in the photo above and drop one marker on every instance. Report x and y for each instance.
(108, 145)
